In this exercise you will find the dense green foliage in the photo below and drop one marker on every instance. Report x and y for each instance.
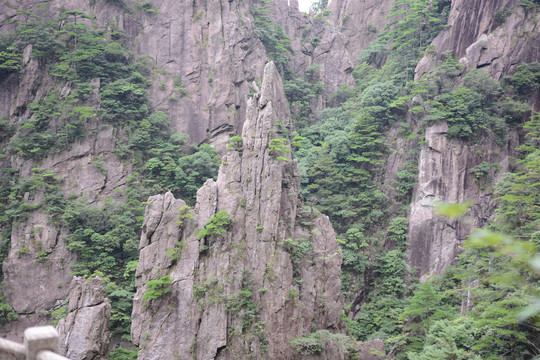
(414, 23)
(123, 354)
(478, 309)
(9, 59)
(315, 343)
(301, 92)
(79, 55)
(519, 192)
(85, 66)
(341, 151)
(475, 108)
(75, 53)
(342, 157)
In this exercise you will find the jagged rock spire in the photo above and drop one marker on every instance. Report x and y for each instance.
(272, 276)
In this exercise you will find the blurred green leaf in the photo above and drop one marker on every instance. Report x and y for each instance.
(452, 210)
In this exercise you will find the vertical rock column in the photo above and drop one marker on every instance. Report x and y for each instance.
(480, 40)
(84, 333)
(444, 175)
(272, 276)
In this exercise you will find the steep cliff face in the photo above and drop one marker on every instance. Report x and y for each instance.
(273, 275)
(37, 233)
(480, 39)
(84, 333)
(315, 41)
(203, 57)
(47, 278)
(208, 47)
(360, 21)
(444, 175)
(493, 35)
(205, 48)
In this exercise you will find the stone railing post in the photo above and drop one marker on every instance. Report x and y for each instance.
(40, 338)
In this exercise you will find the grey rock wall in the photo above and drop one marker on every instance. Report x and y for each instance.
(207, 46)
(444, 165)
(371, 350)
(482, 37)
(84, 333)
(444, 175)
(316, 41)
(201, 315)
(360, 21)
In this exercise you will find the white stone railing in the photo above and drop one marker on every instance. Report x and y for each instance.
(40, 343)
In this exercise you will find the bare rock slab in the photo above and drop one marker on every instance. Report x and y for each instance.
(84, 333)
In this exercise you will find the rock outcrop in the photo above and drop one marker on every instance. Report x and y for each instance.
(271, 277)
(37, 262)
(84, 333)
(360, 21)
(205, 48)
(481, 39)
(315, 41)
(496, 35)
(444, 175)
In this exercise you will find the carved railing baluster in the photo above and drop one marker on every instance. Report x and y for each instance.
(40, 343)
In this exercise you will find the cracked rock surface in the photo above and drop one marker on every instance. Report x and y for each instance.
(479, 41)
(84, 333)
(243, 292)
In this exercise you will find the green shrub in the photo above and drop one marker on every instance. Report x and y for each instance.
(300, 92)
(273, 37)
(235, 143)
(311, 345)
(469, 109)
(148, 7)
(7, 313)
(397, 231)
(277, 146)
(481, 170)
(217, 225)
(42, 257)
(297, 248)
(9, 63)
(123, 354)
(157, 288)
(184, 213)
(526, 78)
(23, 251)
(59, 314)
(315, 343)
(501, 16)
(175, 253)
(529, 6)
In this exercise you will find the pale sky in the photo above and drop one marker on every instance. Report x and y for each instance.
(305, 4)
